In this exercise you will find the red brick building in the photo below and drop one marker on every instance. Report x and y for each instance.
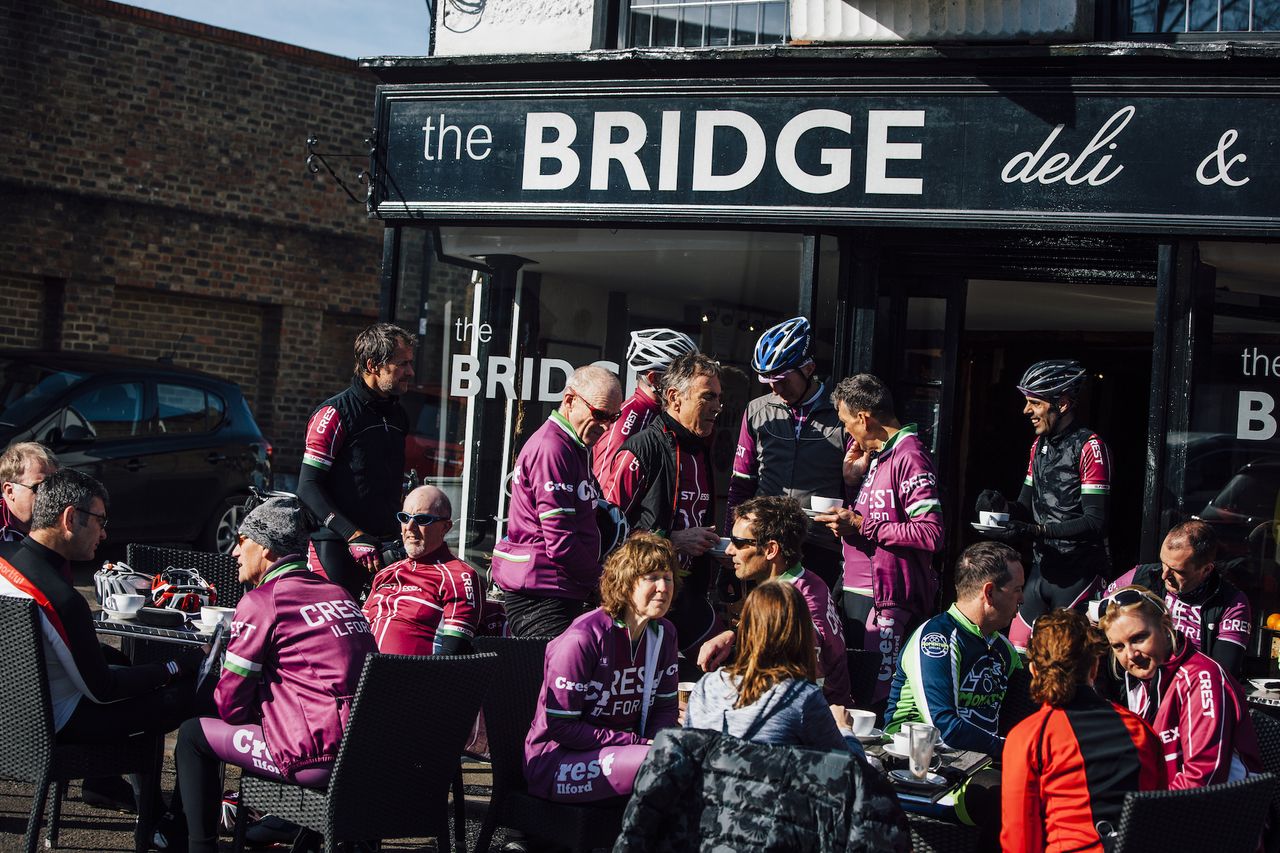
(154, 200)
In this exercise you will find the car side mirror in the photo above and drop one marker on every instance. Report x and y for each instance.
(73, 435)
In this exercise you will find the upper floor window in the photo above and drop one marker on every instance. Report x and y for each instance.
(1204, 16)
(703, 23)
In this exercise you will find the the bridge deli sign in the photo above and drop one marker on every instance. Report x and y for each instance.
(1132, 155)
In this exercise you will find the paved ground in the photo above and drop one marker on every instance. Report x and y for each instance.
(89, 829)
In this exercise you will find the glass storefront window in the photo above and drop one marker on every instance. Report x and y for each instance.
(495, 350)
(1231, 477)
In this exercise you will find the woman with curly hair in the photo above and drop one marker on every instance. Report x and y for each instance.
(769, 693)
(1068, 766)
(608, 682)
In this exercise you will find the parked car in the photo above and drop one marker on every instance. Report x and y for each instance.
(176, 448)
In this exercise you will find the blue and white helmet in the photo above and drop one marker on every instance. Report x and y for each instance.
(781, 348)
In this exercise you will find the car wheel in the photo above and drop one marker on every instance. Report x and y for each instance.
(221, 533)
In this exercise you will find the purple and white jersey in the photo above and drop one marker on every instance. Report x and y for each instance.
(833, 663)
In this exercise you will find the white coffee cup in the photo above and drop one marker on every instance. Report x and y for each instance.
(860, 721)
(720, 547)
(818, 504)
(126, 603)
(211, 615)
(993, 519)
(902, 737)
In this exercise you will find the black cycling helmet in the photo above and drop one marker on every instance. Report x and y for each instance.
(614, 527)
(1049, 380)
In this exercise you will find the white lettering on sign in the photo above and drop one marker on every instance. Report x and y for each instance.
(467, 379)
(706, 123)
(1222, 165)
(880, 151)
(1254, 421)
(537, 148)
(1028, 168)
(626, 152)
(837, 159)
(478, 140)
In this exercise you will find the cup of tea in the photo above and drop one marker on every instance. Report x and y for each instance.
(824, 505)
(125, 604)
(860, 722)
(211, 616)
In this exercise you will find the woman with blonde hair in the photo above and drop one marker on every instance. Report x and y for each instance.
(1196, 708)
(769, 693)
(1067, 767)
(608, 682)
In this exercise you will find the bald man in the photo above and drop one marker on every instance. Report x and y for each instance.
(548, 566)
(428, 603)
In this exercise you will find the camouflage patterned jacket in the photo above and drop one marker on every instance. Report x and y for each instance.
(699, 790)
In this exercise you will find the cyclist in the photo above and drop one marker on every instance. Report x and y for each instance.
(649, 354)
(22, 467)
(1063, 506)
(352, 474)
(792, 441)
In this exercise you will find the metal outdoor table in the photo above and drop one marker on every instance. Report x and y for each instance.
(186, 635)
(938, 803)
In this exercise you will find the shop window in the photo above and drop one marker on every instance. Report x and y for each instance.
(1231, 476)
(708, 23)
(492, 363)
(1186, 17)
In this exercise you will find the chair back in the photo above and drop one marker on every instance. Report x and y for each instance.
(509, 709)
(410, 719)
(1268, 730)
(1195, 820)
(26, 709)
(1017, 704)
(864, 671)
(221, 570)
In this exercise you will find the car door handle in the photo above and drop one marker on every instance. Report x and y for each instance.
(134, 465)
(215, 457)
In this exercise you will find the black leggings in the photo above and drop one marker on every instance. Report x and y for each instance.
(335, 559)
(539, 615)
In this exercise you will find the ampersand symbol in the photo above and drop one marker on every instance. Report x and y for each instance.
(1224, 165)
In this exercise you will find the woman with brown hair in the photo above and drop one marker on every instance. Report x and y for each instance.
(769, 693)
(1068, 766)
(608, 682)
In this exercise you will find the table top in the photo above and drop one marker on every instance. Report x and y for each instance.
(1262, 691)
(188, 635)
(957, 764)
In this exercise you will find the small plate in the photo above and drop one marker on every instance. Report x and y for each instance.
(987, 528)
(932, 780)
(119, 615)
(893, 750)
(814, 513)
(873, 736)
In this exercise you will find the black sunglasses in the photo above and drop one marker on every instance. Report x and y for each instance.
(422, 519)
(739, 542)
(599, 415)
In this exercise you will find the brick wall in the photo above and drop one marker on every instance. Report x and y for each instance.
(153, 190)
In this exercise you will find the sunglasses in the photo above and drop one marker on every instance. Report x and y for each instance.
(422, 519)
(1125, 597)
(598, 415)
(774, 377)
(740, 542)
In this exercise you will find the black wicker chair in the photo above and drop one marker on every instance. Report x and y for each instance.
(1268, 729)
(387, 783)
(508, 714)
(29, 751)
(220, 570)
(1017, 704)
(1226, 818)
(929, 835)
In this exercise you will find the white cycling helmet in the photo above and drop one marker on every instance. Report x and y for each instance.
(655, 349)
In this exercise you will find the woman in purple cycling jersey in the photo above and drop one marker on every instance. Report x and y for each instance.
(609, 681)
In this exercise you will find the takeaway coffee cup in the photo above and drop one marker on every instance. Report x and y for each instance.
(684, 689)
(818, 504)
(993, 519)
(860, 721)
(124, 603)
(210, 616)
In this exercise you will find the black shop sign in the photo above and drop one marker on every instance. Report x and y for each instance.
(1134, 155)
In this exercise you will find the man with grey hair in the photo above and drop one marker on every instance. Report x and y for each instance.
(429, 602)
(663, 481)
(548, 565)
(353, 465)
(23, 466)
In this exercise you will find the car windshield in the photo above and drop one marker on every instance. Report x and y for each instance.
(27, 388)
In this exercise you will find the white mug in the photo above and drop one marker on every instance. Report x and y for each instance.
(860, 721)
(211, 615)
(121, 602)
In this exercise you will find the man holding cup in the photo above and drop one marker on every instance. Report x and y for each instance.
(893, 530)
